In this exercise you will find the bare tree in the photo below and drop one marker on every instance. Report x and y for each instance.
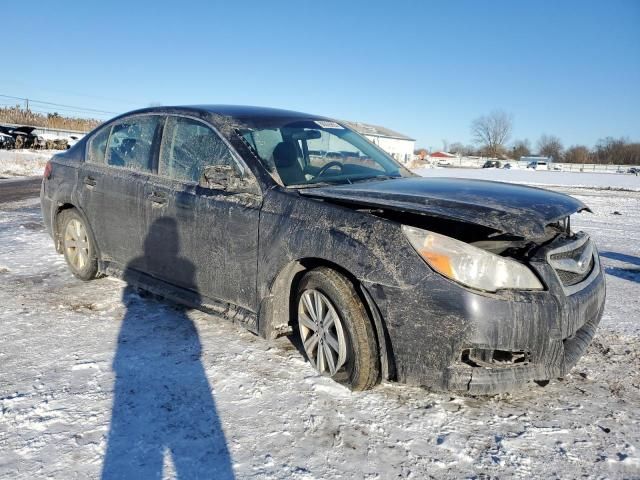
(460, 148)
(577, 154)
(420, 152)
(521, 148)
(457, 148)
(492, 131)
(550, 146)
(609, 150)
(617, 151)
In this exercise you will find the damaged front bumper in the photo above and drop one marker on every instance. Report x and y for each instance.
(448, 337)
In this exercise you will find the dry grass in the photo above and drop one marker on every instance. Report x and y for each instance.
(20, 116)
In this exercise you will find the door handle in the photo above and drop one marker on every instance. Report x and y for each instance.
(90, 181)
(158, 198)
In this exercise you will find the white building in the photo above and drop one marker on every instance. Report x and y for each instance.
(399, 146)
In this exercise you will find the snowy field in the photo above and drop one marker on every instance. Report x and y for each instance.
(20, 163)
(204, 398)
(606, 181)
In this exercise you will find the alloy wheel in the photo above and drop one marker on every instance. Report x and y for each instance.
(76, 244)
(322, 332)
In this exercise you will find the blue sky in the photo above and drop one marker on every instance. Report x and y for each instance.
(427, 69)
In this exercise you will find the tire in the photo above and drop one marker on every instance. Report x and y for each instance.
(357, 365)
(78, 245)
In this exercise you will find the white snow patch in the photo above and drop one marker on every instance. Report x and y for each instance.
(607, 181)
(19, 163)
(195, 390)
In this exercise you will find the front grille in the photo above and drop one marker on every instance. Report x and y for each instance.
(574, 261)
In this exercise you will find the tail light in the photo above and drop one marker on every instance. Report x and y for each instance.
(48, 168)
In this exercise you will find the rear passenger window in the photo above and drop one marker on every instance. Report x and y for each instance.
(98, 145)
(131, 142)
(189, 145)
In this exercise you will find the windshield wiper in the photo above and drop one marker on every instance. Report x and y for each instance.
(377, 177)
(348, 180)
(319, 184)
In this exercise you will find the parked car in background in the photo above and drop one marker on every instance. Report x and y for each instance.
(538, 165)
(72, 140)
(334, 155)
(492, 164)
(634, 170)
(7, 142)
(507, 166)
(54, 142)
(448, 283)
(23, 137)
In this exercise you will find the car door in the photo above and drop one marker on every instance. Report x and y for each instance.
(111, 184)
(214, 229)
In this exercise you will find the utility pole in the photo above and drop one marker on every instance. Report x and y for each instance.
(27, 104)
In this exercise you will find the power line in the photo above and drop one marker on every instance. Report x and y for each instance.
(39, 109)
(23, 85)
(77, 109)
(42, 102)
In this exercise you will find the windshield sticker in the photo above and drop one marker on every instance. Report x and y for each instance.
(326, 124)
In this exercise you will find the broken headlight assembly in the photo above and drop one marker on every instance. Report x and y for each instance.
(469, 265)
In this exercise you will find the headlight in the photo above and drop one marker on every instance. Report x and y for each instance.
(469, 265)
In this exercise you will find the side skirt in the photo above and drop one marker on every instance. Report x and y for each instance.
(229, 311)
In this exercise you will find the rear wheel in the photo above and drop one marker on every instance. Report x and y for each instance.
(335, 329)
(78, 246)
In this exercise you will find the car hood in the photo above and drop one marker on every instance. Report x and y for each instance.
(505, 207)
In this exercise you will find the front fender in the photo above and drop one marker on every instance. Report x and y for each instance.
(297, 233)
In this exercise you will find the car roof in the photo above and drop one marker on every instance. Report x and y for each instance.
(239, 112)
(247, 111)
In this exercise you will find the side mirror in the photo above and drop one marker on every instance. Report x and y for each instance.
(220, 177)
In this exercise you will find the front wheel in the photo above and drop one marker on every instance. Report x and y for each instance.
(78, 246)
(335, 330)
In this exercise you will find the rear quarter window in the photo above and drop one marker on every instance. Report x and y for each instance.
(98, 145)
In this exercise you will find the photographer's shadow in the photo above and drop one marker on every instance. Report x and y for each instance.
(163, 403)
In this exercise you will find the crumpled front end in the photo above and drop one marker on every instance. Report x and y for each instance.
(561, 335)
(447, 336)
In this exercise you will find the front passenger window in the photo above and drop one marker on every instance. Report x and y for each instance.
(131, 142)
(187, 147)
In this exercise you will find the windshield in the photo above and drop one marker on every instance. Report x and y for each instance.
(313, 152)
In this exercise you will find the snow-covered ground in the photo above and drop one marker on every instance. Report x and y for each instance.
(609, 181)
(19, 163)
(203, 397)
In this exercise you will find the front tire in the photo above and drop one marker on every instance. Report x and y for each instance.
(78, 245)
(335, 330)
